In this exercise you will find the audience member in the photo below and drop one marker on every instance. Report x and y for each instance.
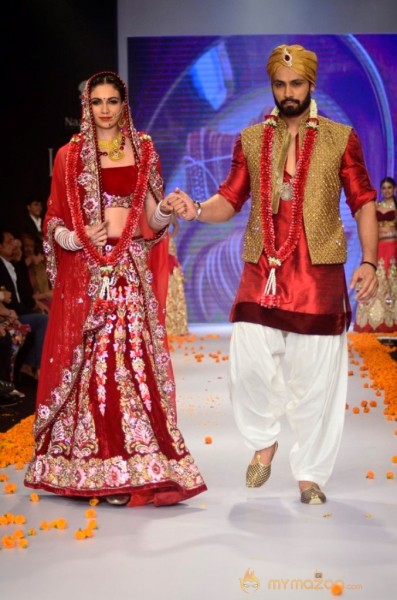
(14, 279)
(31, 221)
(35, 263)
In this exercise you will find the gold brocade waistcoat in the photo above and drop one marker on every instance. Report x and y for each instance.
(321, 217)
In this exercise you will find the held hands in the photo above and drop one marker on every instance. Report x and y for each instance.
(97, 233)
(181, 204)
(366, 283)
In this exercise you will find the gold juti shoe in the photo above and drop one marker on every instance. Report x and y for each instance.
(257, 473)
(313, 495)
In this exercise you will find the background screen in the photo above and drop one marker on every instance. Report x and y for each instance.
(194, 95)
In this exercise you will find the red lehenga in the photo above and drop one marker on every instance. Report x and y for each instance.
(105, 416)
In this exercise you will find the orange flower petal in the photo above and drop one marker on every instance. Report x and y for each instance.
(208, 439)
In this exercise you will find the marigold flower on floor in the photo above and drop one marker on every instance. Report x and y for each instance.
(394, 458)
(92, 524)
(10, 518)
(79, 534)
(208, 439)
(34, 498)
(370, 475)
(10, 488)
(19, 519)
(3, 477)
(61, 524)
(18, 533)
(88, 532)
(93, 501)
(390, 475)
(16, 444)
(32, 531)
(90, 513)
(337, 589)
(23, 543)
(7, 542)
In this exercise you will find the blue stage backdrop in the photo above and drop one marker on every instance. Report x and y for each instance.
(195, 94)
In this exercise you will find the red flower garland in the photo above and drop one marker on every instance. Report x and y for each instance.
(275, 258)
(95, 257)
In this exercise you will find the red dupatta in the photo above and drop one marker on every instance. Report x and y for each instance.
(75, 201)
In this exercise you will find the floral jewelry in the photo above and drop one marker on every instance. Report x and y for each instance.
(95, 257)
(276, 258)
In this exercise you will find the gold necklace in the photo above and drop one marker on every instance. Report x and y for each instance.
(112, 148)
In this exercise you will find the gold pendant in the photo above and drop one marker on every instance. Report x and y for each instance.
(116, 154)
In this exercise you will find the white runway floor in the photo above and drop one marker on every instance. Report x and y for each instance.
(201, 549)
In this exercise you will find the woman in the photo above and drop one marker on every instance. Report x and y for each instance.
(380, 315)
(105, 419)
(176, 311)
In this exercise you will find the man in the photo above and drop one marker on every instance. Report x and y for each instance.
(29, 311)
(31, 221)
(288, 350)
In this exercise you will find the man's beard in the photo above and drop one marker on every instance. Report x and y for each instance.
(296, 109)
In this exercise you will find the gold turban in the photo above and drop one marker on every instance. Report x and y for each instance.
(303, 61)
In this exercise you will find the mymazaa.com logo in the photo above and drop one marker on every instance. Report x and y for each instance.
(250, 584)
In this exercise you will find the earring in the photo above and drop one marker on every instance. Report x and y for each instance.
(121, 122)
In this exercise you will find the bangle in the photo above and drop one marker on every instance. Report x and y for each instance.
(163, 214)
(366, 262)
(199, 209)
(160, 219)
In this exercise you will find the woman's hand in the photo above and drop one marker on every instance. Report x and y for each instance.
(97, 233)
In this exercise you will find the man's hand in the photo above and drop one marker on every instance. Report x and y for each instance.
(181, 204)
(366, 283)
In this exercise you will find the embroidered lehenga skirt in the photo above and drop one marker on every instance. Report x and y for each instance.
(115, 431)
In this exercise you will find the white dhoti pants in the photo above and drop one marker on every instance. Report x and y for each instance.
(272, 373)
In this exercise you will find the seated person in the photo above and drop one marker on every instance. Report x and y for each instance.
(35, 263)
(13, 278)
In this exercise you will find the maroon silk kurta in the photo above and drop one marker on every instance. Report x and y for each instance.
(314, 298)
